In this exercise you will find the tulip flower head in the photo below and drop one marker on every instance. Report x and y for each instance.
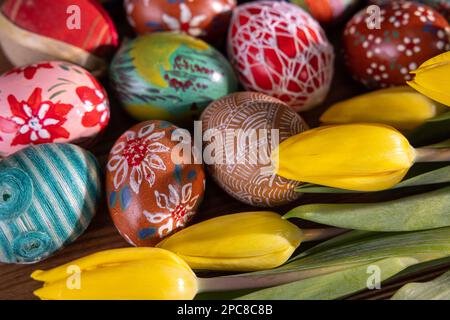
(432, 78)
(247, 241)
(362, 157)
(400, 107)
(129, 273)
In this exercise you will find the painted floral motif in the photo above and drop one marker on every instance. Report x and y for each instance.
(377, 71)
(137, 156)
(409, 46)
(187, 23)
(96, 105)
(399, 19)
(443, 36)
(405, 70)
(129, 8)
(424, 14)
(178, 203)
(38, 121)
(371, 45)
(30, 70)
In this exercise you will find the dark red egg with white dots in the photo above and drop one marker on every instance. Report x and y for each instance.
(409, 33)
(278, 49)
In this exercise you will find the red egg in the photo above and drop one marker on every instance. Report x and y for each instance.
(207, 19)
(150, 193)
(280, 50)
(79, 31)
(409, 33)
(442, 6)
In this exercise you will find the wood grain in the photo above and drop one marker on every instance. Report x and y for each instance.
(15, 279)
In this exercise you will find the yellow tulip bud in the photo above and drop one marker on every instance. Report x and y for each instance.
(362, 157)
(400, 107)
(246, 241)
(129, 273)
(432, 78)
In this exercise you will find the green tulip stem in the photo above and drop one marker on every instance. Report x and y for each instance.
(321, 233)
(427, 154)
(254, 281)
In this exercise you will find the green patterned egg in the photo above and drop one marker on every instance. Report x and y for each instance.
(170, 76)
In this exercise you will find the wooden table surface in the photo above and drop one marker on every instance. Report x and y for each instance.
(15, 282)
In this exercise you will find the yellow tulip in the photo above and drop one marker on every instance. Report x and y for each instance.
(400, 107)
(362, 157)
(432, 78)
(246, 241)
(129, 273)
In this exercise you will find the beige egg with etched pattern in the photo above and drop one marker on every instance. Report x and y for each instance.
(239, 133)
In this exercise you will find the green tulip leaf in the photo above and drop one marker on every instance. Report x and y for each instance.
(341, 239)
(440, 145)
(345, 252)
(334, 285)
(437, 289)
(419, 268)
(420, 245)
(432, 131)
(419, 212)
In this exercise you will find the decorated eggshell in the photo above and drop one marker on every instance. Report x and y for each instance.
(50, 101)
(48, 196)
(441, 6)
(170, 76)
(207, 19)
(410, 33)
(326, 11)
(79, 31)
(242, 176)
(149, 194)
(278, 49)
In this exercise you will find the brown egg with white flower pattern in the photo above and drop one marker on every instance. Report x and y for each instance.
(152, 189)
(409, 33)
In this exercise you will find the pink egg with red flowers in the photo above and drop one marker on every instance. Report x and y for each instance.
(50, 101)
(278, 49)
(409, 34)
(79, 31)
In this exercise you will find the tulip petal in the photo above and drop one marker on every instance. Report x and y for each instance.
(432, 78)
(137, 280)
(354, 156)
(400, 107)
(244, 241)
(129, 273)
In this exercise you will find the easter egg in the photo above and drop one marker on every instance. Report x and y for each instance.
(241, 165)
(170, 76)
(278, 49)
(326, 11)
(409, 33)
(50, 101)
(79, 31)
(48, 196)
(207, 19)
(151, 190)
(441, 6)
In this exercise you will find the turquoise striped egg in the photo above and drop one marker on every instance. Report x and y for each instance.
(48, 196)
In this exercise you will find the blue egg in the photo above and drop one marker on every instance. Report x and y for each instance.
(48, 196)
